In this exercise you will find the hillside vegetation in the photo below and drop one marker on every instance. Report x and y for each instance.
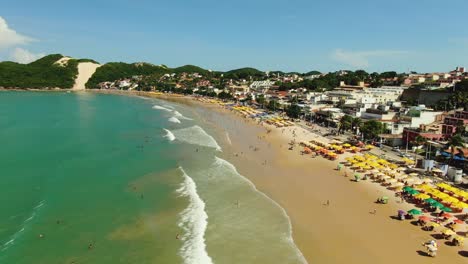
(42, 73)
(119, 70)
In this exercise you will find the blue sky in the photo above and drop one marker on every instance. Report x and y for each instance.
(294, 35)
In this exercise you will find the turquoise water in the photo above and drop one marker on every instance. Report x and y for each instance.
(90, 178)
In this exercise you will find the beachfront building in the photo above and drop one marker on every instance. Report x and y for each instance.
(410, 134)
(238, 90)
(458, 120)
(261, 86)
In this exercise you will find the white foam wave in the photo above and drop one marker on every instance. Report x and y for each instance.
(289, 238)
(41, 203)
(174, 120)
(168, 106)
(195, 135)
(158, 107)
(169, 135)
(179, 115)
(10, 242)
(194, 221)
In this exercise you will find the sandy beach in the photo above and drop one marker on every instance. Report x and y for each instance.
(345, 231)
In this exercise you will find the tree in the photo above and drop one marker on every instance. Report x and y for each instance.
(224, 95)
(456, 141)
(293, 111)
(371, 129)
(356, 123)
(260, 99)
(273, 105)
(345, 123)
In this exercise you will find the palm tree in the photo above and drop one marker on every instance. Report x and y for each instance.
(456, 141)
(356, 123)
(345, 123)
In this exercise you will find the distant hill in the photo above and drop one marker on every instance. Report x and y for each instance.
(312, 73)
(119, 70)
(244, 73)
(190, 69)
(42, 73)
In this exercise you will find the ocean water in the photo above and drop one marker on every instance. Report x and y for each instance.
(92, 178)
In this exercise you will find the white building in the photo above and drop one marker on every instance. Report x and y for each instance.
(261, 85)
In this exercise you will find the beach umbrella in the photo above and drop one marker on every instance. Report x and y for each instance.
(443, 185)
(346, 145)
(460, 205)
(458, 221)
(400, 212)
(413, 192)
(448, 232)
(414, 174)
(437, 170)
(447, 215)
(433, 224)
(414, 212)
(438, 205)
(451, 200)
(407, 189)
(430, 201)
(398, 184)
(425, 218)
(422, 196)
(460, 239)
(427, 180)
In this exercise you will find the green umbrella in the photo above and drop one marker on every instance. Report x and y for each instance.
(430, 201)
(407, 189)
(414, 212)
(413, 192)
(446, 209)
(439, 205)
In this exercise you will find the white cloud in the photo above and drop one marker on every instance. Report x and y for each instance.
(24, 56)
(9, 37)
(360, 59)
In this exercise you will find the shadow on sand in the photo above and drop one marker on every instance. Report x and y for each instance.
(422, 253)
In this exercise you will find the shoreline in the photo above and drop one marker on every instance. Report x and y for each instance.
(345, 231)
(299, 184)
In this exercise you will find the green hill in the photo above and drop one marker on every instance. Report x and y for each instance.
(190, 69)
(244, 73)
(120, 70)
(42, 73)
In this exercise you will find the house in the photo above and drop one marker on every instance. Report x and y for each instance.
(261, 86)
(458, 119)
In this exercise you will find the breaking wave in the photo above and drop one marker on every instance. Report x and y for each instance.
(195, 135)
(169, 135)
(194, 221)
(158, 107)
(174, 120)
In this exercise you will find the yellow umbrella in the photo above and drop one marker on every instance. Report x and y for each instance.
(451, 200)
(443, 185)
(433, 224)
(441, 195)
(448, 232)
(346, 145)
(460, 205)
(422, 196)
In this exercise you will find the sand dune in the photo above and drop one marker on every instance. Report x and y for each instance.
(85, 71)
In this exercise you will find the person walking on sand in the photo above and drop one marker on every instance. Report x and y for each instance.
(374, 212)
